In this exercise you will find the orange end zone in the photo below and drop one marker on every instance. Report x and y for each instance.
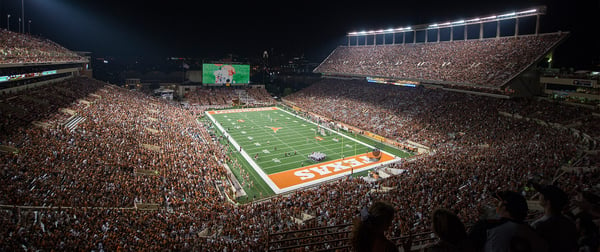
(215, 112)
(307, 174)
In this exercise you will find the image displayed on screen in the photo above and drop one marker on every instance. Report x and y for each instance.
(225, 73)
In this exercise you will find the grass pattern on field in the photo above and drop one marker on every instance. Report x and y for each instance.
(273, 133)
(254, 132)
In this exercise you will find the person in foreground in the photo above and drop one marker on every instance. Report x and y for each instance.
(559, 231)
(368, 231)
(509, 232)
(451, 232)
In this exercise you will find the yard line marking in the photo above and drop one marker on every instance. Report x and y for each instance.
(311, 175)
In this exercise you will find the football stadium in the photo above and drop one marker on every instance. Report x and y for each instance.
(407, 142)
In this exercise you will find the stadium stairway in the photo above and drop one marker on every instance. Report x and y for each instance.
(383, 174)
(73, 122)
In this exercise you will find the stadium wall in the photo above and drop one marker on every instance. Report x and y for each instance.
(36, 84)
(527, 84)
(194, 76)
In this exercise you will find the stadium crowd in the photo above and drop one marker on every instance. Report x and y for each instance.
(219, 96)
(23, 48)
(141, 173)
(484, 63)
(79, 189)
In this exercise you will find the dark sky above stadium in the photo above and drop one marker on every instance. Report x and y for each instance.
(247, 28)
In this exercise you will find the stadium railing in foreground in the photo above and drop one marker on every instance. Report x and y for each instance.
(335, 238)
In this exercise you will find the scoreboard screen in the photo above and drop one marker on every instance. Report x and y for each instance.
(225, 74)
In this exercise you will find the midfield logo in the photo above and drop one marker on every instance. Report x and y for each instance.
(275, 129)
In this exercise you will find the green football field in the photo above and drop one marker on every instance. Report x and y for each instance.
(277, 143)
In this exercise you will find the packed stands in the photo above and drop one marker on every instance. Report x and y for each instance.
(42, 104)
(206, 96)
(20, 48)
(225, 96)
(91, 166)
(261, 96)
(490, 62)
(92, 187)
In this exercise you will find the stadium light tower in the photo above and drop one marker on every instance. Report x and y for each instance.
(536, 11)
(23, 14)
(8, 22)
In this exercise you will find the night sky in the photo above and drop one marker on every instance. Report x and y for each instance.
(247, 28)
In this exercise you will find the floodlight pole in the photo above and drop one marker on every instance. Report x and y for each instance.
(498, 28)
(481, 30)
(537, 24)
(8, 22)
(516, 27)
(23, 14)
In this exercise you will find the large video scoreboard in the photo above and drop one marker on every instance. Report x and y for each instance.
(225, 74)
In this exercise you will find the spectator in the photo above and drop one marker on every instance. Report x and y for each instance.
(368, 232)
(589, 238)
(588, 202)
(558, 231)
(100, 164)
(464, 61)
(509, 232)
(451, 232)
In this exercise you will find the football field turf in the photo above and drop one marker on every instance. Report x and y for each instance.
(277, 143)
